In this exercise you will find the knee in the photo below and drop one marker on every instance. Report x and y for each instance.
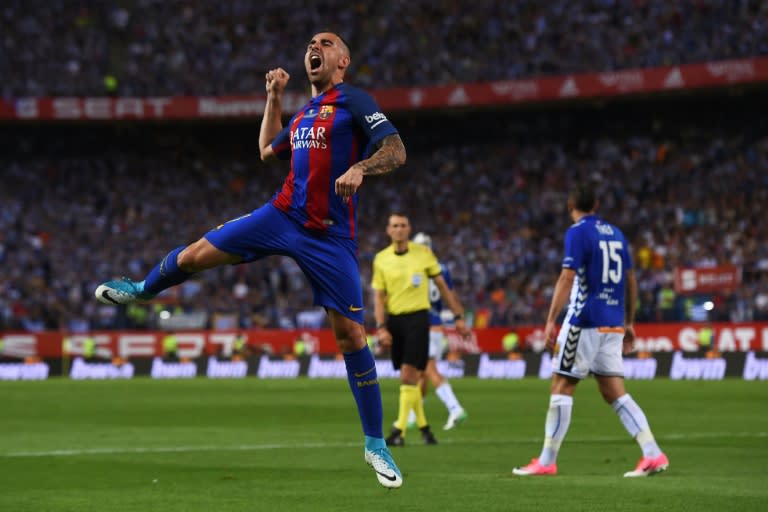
(434, 377)
(562, 385)
(611, 388)
(409, 375)
(200, 256)
(610, 396)
(348, 338)
(187, 259)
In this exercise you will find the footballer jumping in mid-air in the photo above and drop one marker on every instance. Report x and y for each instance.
(339, 137)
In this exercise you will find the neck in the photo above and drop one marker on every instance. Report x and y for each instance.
(320, 88)
(577, 215)
(401, 246)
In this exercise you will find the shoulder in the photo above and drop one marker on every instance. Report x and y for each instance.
(382, 254)
(618, 231)
(418, 249)
(575, 228)
(353, 92)
(587, 224)
(424, 254)
(359, 101)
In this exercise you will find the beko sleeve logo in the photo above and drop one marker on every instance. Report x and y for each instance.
(375, 119)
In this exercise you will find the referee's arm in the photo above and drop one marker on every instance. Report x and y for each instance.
(380, 314)
(454, 304)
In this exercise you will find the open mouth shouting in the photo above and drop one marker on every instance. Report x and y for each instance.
(315, 61)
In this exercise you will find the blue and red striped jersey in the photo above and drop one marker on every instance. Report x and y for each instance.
(332, 132)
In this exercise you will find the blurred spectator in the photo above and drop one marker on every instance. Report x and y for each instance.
(79, 205)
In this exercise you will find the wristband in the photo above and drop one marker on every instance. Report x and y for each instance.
(381, 326)
(458, 317)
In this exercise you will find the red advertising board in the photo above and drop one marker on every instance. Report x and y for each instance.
(729, 337)
(477, 94)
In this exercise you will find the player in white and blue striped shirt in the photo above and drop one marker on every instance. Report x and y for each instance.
(599, 286)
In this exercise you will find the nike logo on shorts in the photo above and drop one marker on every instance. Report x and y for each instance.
(354, 309)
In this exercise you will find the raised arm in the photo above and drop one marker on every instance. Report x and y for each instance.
(272, 122)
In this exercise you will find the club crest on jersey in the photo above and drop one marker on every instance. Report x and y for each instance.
(326, 111)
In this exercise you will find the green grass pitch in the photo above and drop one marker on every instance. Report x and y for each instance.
(296, 445)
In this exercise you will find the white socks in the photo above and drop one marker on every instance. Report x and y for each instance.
(555, 427)
(445, 393)
(634, 420)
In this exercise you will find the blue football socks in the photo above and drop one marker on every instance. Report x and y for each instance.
(166, 273)
(364, 382)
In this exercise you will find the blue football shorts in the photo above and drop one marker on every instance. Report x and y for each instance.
(329, 262)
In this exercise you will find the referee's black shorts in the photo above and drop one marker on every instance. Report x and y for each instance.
(410, 339)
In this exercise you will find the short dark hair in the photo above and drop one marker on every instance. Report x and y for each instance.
(583, 197)
(341, 38)
(349, 48)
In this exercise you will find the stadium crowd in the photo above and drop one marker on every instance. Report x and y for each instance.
(81, 206)
(204, 47)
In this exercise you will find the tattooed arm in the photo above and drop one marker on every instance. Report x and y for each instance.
(389, 155)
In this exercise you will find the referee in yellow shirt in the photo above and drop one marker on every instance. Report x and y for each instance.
(401, 275)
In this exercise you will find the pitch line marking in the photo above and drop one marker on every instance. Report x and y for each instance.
(302, 446)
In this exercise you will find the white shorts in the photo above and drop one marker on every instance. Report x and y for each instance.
(436, 344)
(580, 351)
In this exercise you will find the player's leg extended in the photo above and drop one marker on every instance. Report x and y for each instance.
(242, 239)
(175, 268)
(182, 262)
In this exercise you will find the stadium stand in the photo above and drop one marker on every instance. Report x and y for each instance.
(205, 47)
(682, 179)
(684, 188)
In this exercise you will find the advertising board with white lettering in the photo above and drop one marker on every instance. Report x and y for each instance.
(752, 366)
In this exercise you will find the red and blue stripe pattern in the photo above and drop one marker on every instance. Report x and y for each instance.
(324, 139)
